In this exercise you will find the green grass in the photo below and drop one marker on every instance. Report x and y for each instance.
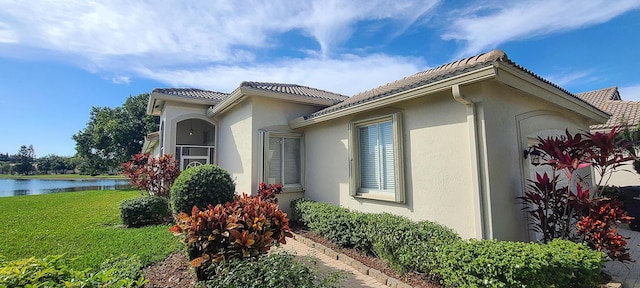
(85, 225)
(61, 176)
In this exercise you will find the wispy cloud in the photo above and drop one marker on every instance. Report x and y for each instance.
(119, 79)
(347, 74)
(566, 78)
(487, 26)
(631, 92)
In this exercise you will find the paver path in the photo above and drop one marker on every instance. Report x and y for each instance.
(627, 274)
(328, 264)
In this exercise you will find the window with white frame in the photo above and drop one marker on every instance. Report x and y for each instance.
(377, 170)
(282, 159)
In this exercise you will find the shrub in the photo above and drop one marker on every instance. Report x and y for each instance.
(488, 263)
(268, 192)
(155, 176)
(200, 186)
(145, 210)
(54, 271)
(245, 228)
(275, 270)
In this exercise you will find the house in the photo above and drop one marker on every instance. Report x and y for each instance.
(446, 144)
(624, 114)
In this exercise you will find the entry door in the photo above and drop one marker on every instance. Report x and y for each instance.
(192, 161)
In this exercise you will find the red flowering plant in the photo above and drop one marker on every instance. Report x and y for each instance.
(268, 192)
(243, 229)
(153, 175)
(567, 209)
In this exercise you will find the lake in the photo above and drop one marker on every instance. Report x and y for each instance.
(18, 187)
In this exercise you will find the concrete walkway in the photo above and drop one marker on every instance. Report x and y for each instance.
(358, 275)
(628, 274)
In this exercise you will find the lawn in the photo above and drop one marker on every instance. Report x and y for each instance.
(85, 225)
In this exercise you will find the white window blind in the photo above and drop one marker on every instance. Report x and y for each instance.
(376, 157)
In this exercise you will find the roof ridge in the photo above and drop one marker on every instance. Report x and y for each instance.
(252, 84)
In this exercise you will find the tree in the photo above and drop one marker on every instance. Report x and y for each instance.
(113, 135)
(5, 168)
(26, 157)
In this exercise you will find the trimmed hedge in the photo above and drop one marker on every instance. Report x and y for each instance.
(431, 248)
(490, 263)
(145, 210)
(200, 186)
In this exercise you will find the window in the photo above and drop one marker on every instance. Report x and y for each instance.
(376, 169)
(281, 159)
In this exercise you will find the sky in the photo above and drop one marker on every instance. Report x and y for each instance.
(60, 58)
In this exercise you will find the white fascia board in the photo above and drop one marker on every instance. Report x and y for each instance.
(523, 81)
(438, 86)
(234, 98)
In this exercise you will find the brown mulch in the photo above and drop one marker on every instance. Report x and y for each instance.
(171, 273)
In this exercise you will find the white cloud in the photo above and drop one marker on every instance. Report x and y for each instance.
(347, 74)
(568, 77)
(631, 93)
(119, 79)
(486, 27)
(179, 32)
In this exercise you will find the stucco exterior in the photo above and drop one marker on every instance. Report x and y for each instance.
(462, 129)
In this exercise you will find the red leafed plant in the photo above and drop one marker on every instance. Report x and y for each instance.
(268, 192)
(568, 210)
(153, 175)
(244, 228)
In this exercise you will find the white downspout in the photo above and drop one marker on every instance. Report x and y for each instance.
(480, 200)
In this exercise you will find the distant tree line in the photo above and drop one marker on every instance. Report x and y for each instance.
(26, 163)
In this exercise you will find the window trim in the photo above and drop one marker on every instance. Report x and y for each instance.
(263, 165)
(398, 194)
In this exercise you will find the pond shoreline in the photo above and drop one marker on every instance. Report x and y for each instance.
(62, 177)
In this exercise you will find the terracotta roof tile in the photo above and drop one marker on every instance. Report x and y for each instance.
(216, 97)
(430, 76)
(294, 89)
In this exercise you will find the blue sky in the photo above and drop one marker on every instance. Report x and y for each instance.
(60, 58)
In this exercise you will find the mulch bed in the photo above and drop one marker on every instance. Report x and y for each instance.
(170, 273)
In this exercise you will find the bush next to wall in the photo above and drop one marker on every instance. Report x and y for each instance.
(200, 186)
(431, 248)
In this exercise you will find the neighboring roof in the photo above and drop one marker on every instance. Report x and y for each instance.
(622, 112)
(296, 90)
(433, 75)
(600, 97)
(216, 97)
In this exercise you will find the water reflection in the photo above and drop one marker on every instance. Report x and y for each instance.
(21, 187)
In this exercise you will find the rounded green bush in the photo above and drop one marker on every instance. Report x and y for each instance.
(200, 186)
(145, 210)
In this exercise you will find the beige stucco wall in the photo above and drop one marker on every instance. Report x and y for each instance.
(510, 117)
(239, 139)
(437, 164)
(174, 112)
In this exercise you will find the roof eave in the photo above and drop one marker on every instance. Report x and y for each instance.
(480, 74)
(157, 99)
(234, 98)
(526, 82)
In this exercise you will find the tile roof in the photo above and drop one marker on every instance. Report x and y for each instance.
(294, 89)
(430, 76)
(600, 97)
(193, 93)
(622, 112)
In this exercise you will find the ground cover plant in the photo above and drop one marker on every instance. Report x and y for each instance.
(84, 225)
(276, 270)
